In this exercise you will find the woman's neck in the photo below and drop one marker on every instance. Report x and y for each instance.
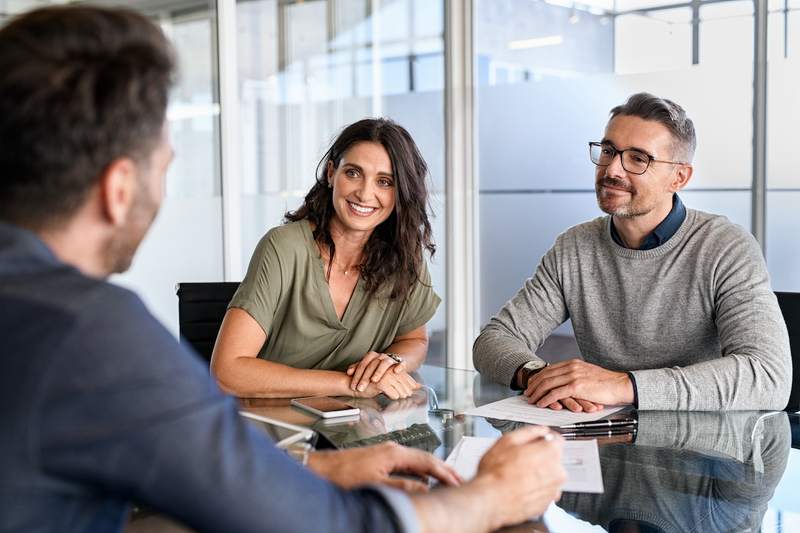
(349, 244)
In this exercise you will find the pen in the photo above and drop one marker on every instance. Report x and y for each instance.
(613, 432)
(601, 423)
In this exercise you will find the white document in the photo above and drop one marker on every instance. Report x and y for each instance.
(518, 409)
(580, 459)
(558, 520)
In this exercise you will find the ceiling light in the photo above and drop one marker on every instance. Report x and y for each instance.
(537, 42)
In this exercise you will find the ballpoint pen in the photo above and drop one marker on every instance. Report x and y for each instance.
(613, 432)
(601, 423)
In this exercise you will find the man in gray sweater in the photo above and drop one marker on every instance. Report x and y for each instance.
(671, 307)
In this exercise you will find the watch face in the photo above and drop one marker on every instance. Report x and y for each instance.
(534, 365)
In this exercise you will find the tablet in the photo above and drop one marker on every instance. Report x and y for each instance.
(282, 433)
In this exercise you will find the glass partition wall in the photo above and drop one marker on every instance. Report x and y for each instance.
(546, 74)
(783, 158)
(307, 70)
(185, 243)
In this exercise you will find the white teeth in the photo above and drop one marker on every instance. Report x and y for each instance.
(361, 209)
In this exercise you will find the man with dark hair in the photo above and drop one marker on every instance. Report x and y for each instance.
(100, 405)
(671, 307)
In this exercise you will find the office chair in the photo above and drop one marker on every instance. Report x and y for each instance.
(790, 307)
(201, 308)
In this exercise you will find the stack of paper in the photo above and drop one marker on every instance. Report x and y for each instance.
(518, 409)
(581, 460)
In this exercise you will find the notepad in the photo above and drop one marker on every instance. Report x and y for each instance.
(518, 409)
(580, 459)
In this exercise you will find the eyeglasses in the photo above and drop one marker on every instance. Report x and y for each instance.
(633, 161)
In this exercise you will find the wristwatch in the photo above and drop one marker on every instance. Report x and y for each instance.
(529, 369)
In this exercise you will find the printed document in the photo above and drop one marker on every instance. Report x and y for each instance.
(581, 460)
(518, 409)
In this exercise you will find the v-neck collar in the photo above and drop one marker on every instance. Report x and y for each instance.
(356, 297)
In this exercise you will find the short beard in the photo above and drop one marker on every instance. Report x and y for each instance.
(122, 245)
(623, 211)
(119, 251)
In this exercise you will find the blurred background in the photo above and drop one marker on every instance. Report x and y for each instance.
(265, 85)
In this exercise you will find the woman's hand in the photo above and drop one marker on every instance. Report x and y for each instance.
(371, 369)
(394, 385)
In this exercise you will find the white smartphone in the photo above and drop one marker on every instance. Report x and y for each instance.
(325, 406)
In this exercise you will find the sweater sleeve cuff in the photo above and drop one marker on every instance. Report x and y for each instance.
(635, 390)
(403, 508)
(509, 363)
(655, 390)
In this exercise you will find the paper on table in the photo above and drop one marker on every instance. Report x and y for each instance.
(558, 520)
(518, 409)
(580, 459)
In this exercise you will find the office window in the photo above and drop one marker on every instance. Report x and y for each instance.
(306, 70)
(783, 157)
(185, 242)
(650, 41)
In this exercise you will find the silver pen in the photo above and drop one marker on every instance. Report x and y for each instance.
(594, 433)
(608, 423)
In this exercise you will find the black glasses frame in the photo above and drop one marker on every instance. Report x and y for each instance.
(619, 152)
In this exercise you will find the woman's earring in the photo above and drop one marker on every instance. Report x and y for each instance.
(330, 185)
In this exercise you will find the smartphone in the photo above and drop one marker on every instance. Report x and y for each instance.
(325, 406)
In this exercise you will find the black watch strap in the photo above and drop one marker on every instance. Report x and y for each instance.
(514, 385)
(526, 375)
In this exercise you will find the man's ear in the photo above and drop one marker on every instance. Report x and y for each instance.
(118, 189)
(683, 174)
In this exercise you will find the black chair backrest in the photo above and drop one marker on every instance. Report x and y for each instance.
(201, 308)
(790, 307)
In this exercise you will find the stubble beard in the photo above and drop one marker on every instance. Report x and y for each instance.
(122, 245)
(626, 210)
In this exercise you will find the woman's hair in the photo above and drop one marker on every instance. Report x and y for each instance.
(395, 248)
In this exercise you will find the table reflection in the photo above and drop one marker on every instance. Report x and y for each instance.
(681, 472)
(689, 472)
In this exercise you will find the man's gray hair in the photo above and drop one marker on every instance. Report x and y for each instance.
(666, 112)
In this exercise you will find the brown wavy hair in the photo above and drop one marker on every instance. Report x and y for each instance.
(394, 251)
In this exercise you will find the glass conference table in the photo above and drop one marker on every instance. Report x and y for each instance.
(681, 472)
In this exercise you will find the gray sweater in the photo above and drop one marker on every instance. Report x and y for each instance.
(694, 319)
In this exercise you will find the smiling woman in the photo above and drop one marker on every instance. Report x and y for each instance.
(336, 300)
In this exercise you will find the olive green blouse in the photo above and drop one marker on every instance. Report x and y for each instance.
(286, 292)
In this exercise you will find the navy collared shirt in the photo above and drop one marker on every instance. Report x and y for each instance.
(663, 232)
